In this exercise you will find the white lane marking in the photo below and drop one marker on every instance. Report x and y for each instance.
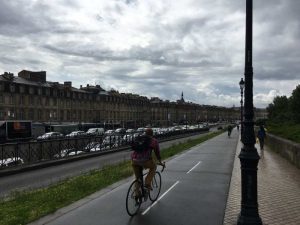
(193, 167)
(160, 198)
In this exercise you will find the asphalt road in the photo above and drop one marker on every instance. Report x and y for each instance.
(50, 175)
(194, 191)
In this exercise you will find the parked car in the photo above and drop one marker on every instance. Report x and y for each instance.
(11, 162)
(109, 132)
(141, 130)
(120, 131)
(77, 133)
(130, 131)
(128, 138)
(50, 135)
(95, 131)
(90, 146)
(96, 148)
(68, 152)
(112, 141)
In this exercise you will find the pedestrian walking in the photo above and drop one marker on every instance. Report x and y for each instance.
(261, 134)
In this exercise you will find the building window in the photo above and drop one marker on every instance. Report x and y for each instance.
(54, 93)
(47, 102)
(22, 114)
(54, 102)
(61, 115)
(2, 115)
(40, 114)
(1, 87)
(31, 114)
(68, 115)
(47, 92)
(39, 91)
(31, 101)
(10, 99)
(31, 90)
(11, 113)
(12, 88)
(21, 100)
(22, 89)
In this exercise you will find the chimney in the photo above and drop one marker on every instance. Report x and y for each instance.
(8, 75)
(68, 84)
(33, 76)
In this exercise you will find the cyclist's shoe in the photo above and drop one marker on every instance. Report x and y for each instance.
(138, 199)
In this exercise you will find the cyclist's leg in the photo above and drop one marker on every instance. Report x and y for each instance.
(138, 172)
(152, 168)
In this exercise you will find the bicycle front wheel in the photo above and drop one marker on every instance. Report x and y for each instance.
(156, 186)
(133, 198)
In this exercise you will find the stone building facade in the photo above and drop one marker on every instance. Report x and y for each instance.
(29, 96)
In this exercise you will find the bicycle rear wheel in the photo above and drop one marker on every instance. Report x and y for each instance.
(133, 199)
(156, 186)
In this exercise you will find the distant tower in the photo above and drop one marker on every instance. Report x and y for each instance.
(182, 99)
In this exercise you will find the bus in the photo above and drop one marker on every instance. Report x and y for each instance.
(15, 130)
(64, 128)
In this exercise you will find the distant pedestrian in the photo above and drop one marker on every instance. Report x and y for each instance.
(238, 127)
(261, 134)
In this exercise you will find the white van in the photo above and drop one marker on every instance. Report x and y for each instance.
(95, 131)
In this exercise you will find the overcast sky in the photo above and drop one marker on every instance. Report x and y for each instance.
(155, 48)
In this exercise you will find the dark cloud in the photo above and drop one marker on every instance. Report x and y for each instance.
(159, 47)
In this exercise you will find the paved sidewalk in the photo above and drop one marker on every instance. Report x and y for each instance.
(278, 190)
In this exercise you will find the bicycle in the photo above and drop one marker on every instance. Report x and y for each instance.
(137, 193)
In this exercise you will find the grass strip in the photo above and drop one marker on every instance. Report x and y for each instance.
(290, 131)
(25, 207)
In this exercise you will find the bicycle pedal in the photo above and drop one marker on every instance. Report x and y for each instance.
(146, 197)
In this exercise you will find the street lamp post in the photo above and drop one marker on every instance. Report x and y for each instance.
(242, 85)
(248, 156)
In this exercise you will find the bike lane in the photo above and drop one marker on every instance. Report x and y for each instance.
(194, 190)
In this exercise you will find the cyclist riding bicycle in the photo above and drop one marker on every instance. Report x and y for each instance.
(229, 129)
(144, 159)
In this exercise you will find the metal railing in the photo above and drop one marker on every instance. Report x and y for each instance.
(26, 153)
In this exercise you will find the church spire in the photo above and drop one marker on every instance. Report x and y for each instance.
(182, 99)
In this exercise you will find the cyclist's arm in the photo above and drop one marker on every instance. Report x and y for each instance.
(156, 150)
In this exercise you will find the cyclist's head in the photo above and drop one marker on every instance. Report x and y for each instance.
(149, 132)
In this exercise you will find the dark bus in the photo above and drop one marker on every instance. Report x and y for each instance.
(15, 130)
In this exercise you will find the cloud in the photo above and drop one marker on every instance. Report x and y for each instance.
(155, 48)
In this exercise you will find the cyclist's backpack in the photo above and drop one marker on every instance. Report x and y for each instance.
(141, 143)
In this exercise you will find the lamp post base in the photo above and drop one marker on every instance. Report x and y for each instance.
(249, 220)
(249, 208)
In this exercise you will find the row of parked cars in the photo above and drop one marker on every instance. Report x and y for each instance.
(110, 139)
(119, 132)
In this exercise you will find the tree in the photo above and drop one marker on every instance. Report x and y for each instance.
(294, 103)
(279, 109)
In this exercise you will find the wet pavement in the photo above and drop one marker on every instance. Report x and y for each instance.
(278, 190)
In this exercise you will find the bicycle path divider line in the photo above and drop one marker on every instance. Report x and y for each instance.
(160, 198)
(193, 167)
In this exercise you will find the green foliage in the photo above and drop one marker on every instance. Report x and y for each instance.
(287, 130)
(295, 104)
(285, 109)
(259, 122)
